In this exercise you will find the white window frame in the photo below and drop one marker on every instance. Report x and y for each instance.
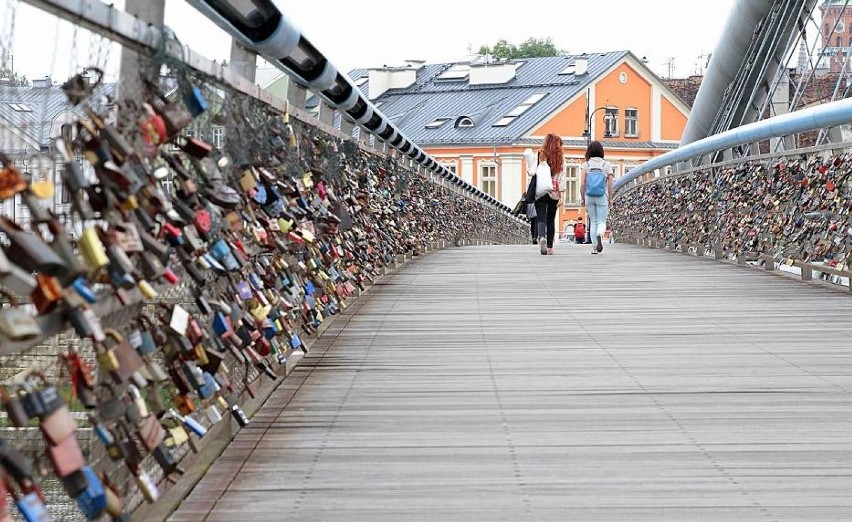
(218, 137)
(572, 184)
(612, 125)
(491, 179)
(451, 166)
(631, 120)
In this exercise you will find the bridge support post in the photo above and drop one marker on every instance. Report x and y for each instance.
(768, 262)
(807, 273)
(741, 259)
(719, 253)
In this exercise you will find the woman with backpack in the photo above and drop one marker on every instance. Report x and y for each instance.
(596, 191)
(548, 191)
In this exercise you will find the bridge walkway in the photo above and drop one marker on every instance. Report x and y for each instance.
(492, 383)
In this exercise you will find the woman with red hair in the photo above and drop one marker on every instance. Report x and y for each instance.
(548, 191)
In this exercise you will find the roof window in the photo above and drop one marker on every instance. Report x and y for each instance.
(437, 123)
(520, 109)
(20, 107)
(454, 74)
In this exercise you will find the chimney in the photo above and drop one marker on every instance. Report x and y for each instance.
(492, 73)
(42, 83)
(581, 66)
(385, 78)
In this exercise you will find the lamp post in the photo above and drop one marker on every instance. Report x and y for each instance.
(588, 132)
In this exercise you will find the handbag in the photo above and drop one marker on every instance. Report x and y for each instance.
(521, 205)
(554, 190)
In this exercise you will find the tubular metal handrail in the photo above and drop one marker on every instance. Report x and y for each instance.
(818, 117)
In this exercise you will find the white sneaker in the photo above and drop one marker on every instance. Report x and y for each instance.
(542, 246)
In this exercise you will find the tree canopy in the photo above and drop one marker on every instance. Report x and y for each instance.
(21, 81)
(530, 48)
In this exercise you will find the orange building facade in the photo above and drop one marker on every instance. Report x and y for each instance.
(634, 115)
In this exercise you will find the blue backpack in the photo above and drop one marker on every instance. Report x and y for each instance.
(595, 183)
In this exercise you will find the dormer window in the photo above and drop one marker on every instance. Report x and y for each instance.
(571, 69)
(464, 122)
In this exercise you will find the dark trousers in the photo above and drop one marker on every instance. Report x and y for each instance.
(545, 208)
(533, 226)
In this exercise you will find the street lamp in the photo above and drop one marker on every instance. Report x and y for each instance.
(607, 119)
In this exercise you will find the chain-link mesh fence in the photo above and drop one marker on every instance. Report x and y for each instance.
(209, 231)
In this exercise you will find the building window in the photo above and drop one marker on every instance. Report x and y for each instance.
(20, 107)
(616, 170)
(611, 121)
(488, 179)
(631, 123)
(839, 42)
(520, 109)
(450, 166)
(464, 122)
(455, 73)
(572, 186)
(437, 123)
(218, 137)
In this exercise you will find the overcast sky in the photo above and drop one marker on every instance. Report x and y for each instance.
(369, 33)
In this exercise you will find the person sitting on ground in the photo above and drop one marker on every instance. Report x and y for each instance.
(580, 231)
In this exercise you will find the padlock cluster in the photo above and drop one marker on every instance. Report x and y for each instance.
(792, 210)
(265, 247)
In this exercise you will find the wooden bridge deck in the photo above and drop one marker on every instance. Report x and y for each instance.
(492, 383)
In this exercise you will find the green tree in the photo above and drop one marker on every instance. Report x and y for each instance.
(21, 81)
(530, 48)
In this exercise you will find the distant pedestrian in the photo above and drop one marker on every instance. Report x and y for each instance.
(597, 189)
(548, 189)
(580, 231)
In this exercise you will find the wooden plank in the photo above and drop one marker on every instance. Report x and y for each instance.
(493, 383)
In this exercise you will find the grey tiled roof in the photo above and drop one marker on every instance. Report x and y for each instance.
(46, 103)
(412, 108)
(615, 144)
(266, 76)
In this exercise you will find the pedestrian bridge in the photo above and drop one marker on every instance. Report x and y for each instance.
(492, 383)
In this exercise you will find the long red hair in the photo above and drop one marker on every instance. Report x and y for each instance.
(553, 154)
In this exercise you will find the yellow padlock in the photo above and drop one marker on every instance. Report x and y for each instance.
(93, 250)
(306, 235)
(176, 436)
(285, 225)
(146, 289)
(42, 188)
(131, 203)
(201, 354)
(107, 359)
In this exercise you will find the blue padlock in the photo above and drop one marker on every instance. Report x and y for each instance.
(310, 288)
(221, 324)
(32, 508)
(256, 281)
(194, 426)
(295, 342)
(195, 102)
(82, 288)
(92, 501)
(260, 195)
